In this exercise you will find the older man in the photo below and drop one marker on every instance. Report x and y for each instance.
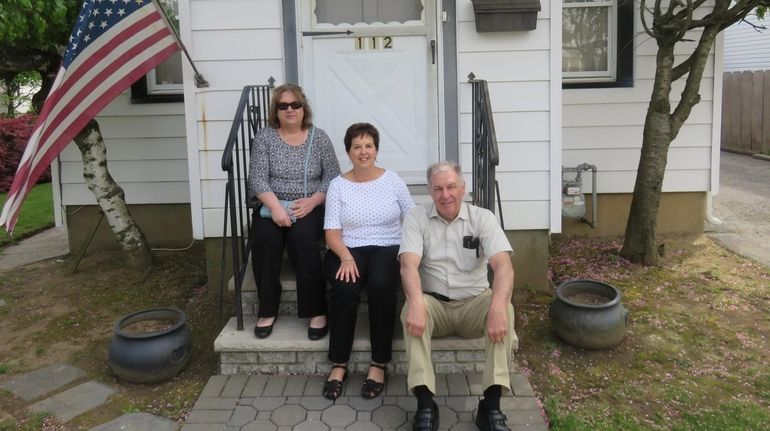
(445, 249)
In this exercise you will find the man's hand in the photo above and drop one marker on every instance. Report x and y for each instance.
(416, 315)
(502, 289)
(497, 324)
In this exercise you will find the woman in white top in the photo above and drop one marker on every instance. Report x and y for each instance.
(364, 210)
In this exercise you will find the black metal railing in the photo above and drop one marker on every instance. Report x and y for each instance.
(485, 153)
(250, 116)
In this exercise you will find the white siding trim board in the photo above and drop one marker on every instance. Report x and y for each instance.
(190, 103)
(556, 119)
(716, 123)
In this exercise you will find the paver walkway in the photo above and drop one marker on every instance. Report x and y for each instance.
(68, 396)
(45, 245)
(294, 403)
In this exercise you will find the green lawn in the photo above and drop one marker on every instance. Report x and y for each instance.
(36, 214)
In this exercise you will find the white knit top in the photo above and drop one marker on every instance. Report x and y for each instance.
(368, 213)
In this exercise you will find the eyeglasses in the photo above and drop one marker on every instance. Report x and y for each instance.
(282, 106)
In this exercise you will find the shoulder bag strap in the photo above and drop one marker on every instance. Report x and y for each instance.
(307, 158)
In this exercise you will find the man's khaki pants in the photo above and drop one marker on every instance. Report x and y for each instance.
(466, 318)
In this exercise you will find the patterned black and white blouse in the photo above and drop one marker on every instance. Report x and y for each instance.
(279, 167)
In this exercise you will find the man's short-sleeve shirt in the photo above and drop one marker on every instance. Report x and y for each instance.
(446, 267)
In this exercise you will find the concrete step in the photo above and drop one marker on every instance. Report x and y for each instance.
(288, 350)
(249, 300)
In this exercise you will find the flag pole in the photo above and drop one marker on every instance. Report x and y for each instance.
(200, 81)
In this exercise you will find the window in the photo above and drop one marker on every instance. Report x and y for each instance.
(164, 83)
(367, 11)
(597, 49)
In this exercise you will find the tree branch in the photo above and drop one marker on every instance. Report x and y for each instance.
(685, 25)
(682, 68)
(642, 8)
(14, 59)
(690, 96)
(725, 16)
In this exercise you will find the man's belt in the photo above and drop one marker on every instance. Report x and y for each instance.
(439, 296)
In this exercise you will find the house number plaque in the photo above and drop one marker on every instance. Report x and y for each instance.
(374, 42)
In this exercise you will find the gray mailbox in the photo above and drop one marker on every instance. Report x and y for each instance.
(505, 15)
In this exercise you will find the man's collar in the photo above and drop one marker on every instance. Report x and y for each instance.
(462, 215)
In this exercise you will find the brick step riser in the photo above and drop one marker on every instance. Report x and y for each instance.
(317, 363)
(288, 351)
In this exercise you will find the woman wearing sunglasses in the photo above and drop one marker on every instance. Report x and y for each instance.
(364, 210)
(291, 166)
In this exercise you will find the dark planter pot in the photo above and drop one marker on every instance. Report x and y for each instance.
(590, 326)
(145, 357)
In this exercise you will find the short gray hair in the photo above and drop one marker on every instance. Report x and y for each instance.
(445, 165)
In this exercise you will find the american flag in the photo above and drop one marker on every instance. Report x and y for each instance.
(114, 43)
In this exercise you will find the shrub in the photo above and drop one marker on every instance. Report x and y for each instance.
(14, 134)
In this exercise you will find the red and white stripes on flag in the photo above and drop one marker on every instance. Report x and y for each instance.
(114, 43)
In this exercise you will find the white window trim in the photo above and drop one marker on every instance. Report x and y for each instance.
(154, 88)
(609, 75)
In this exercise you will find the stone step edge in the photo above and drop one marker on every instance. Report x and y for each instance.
(290, 335)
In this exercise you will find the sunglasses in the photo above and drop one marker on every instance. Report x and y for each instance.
(282, 106)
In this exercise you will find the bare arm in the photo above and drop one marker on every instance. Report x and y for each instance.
(502, 289)
(348, 270)
(410, 280)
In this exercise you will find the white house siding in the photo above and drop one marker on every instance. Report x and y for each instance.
(146, 154)
(604, 127)
(233, 43)
(518, 67)
(745, 47)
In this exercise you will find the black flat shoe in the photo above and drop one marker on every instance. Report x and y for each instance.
(490, 420)
(317, 333)
(264, 331)
(333, 388)
(426, 419)
(372, 388)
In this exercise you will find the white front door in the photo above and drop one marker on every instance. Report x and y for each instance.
(368, 71)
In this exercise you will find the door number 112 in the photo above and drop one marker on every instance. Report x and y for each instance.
(374, 42)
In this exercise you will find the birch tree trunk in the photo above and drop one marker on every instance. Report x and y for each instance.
(110, 197)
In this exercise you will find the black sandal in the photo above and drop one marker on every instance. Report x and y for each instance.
(333, 388)
(372, 388)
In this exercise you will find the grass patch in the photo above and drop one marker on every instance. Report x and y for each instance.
(34, 422)
(36, 214)
(731, 416)
(689, 360)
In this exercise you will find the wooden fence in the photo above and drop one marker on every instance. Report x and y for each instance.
(746, 112)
